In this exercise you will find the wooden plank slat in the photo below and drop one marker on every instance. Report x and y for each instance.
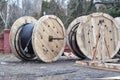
(100, 65)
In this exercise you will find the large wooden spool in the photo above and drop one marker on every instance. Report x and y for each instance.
(47, 39)
(98, 36)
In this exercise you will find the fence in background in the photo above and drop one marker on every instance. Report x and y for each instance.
(4, 42)
(5, 45)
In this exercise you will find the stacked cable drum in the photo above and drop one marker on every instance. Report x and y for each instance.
(95, 36)
(43, 39)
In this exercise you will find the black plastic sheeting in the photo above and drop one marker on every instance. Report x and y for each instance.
(73, 44)
(26, 38)
(25, 42)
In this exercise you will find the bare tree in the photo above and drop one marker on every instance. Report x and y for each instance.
(5, 11)
(31, 7)
(7, 14)
(10, 10)
(80, 8)
(90, 6)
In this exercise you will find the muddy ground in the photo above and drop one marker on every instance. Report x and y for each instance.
(64, 69)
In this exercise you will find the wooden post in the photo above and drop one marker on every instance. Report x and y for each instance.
(7, 48)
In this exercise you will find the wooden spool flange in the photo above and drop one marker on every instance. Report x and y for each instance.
(117, 21)
(71, 36)
(49, 38)
(98, 37)
(14, 34)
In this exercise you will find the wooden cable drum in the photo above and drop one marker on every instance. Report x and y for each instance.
(98, 37)
(43, 39)
(71, 37)
(20, 38)
(49, 38)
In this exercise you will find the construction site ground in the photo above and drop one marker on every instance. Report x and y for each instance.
(12, 68)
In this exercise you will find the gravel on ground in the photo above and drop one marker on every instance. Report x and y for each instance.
(12, 68)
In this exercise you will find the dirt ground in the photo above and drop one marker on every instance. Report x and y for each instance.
(64, 69)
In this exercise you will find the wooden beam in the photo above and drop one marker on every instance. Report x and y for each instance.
(99, 65)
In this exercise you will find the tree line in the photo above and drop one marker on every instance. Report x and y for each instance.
(66, 10)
